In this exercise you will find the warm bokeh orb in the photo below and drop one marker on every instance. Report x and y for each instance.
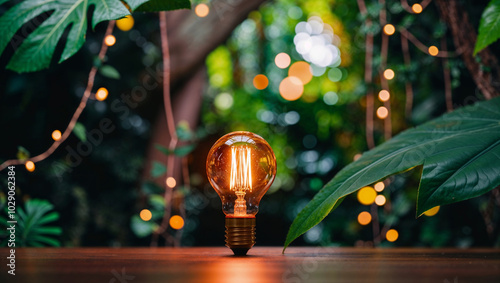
(176, 222)
(364, 218)
(291, 88)
(392, 235)
(260, 82)
(110, 40)
(389, 74)
(380, 200)
(30, 166)
(202, 10)
(145, 215)
(417, 8)
(433, 50)
(366, 195)
(384, 95)
(282, 60)
(101, 94)
(431, 212)
(56, 135)
(382, 112)
(379, 186)
(389, 29)
(302, 71)
(171, 182)
(125, 24)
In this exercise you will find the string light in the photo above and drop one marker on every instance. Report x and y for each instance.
(56, 135)
(282, 60)
(145, 215)
(431, 212)
(302, 71)
(392, 235)
(433, 50)
(202, 10)
(382, 112)
(171, 182)
(364, 218)
(110, 40)
(101, 94)
(176, 222)
(30, 166)
(389, 74)
(389, 29)
(417, 8)
(125, 24)
(366, 195)
(291, 88)
(260, 82)
(380, 200)
(384, 95)
(379, 186)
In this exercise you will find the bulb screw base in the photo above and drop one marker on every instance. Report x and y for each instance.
(240, 235)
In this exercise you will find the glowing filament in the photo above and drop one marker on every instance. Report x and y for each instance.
(241, 169)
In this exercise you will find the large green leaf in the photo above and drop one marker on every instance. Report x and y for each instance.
(460, 154)
(35, 52)
(162, 5)
(489, 27)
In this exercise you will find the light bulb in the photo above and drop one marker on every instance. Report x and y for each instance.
(241, 167)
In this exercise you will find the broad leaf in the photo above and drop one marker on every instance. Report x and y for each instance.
(36, 50)
(460, 154)
(158, 169)
(80, 132)
(162, 5)
(109, 72)
(489, 27)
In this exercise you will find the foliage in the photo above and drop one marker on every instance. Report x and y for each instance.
(31, 227)
(162, 5)
(457, 165)
(489, 27)
(54, 17)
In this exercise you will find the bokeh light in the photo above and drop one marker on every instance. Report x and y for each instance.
(382, 112)
(417, 8)
(110, 40)
(364, 218)
(56, 135)
(291, 88)
(30, 166)
(366, 195)
(171, 182)
(101, 94)
(260, 82)
(176, 222)
(379, 186)
(223, 101)
(431, 212)
(380, 200)
(282, 60)
(392, 235)
(384, 95)
(389, 74)
(125, 24)
(145, 215)
(202, 10)
(389, 29)
(433, 50)
(302, 71)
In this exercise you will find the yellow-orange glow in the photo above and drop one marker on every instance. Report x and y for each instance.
(364, 218)
(431, 212)
(282, 60)
(417, 8)
(56, 135)
(101, 94)
(291, 88)
(433, 50)
(240, 180)
(379, 186)
(30, 166)
(384, 95)
(380, 200)
(171, 182)
(202, 10)
(389, 74)
(382, 112)
(389, 29)
(366, 195)
(302, 71)
(126, 23)
(260, 82)
(176, 222)
(110, 40)
(145, 215)
(392, 235)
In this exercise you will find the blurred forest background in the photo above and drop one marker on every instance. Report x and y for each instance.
(228, 60)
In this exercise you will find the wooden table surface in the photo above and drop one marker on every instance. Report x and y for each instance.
(263, 264)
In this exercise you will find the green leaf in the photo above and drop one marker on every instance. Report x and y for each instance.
(80, 132)
(22, 153)
(459, 152)
(142, 228)
(158, 169)
(162, 5)
(180, 151)
(36, 51)
(109, 72)
(489, 27)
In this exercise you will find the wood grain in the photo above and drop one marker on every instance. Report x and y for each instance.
(121, 265)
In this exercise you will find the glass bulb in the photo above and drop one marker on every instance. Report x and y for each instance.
(241, 167)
